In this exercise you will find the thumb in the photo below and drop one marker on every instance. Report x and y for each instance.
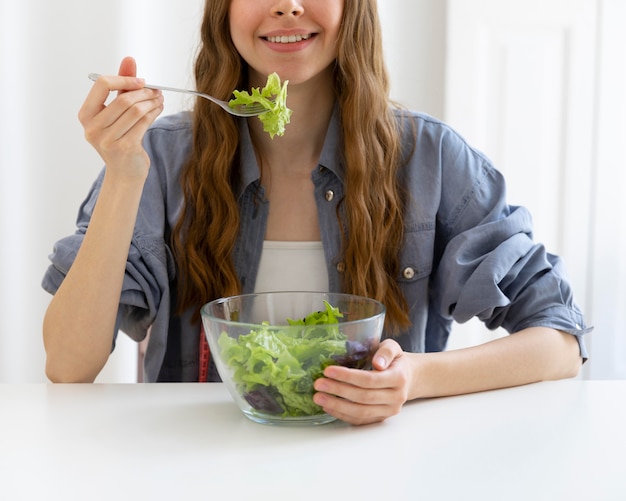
(128, 67)
(387, 352)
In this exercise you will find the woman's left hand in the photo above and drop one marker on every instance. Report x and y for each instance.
(362, 397)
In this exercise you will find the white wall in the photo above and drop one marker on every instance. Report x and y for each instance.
(607, 291)
(414, 44)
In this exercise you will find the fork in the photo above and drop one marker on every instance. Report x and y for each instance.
(240, 110)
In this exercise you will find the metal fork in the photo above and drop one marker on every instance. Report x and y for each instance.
(240, 110)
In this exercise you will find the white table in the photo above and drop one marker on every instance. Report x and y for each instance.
(558, 440)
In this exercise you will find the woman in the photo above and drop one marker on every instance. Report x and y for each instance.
(390, 204)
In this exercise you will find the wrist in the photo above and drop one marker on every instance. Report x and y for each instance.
(120, 180)
(420, 386)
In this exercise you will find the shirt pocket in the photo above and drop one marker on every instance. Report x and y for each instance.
(416, 255)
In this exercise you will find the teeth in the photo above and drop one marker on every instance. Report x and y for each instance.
(288, 39)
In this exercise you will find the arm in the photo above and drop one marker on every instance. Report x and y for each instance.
(79, 323)
(530, 355)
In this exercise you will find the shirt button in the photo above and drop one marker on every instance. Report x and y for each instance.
(341, 267)
(330, 194)
(408, 273)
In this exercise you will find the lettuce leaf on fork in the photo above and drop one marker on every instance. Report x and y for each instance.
(273, 97)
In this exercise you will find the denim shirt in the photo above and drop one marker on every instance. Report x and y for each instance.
(466, 253)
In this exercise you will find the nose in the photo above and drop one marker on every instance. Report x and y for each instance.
(288, 8)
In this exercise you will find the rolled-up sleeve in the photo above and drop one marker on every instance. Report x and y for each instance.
(490, 267)
(148, 267)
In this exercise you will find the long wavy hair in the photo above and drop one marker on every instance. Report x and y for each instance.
(370, 215)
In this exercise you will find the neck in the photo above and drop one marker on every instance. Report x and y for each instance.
(300, 148)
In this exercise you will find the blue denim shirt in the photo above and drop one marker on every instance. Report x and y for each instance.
(466, 253)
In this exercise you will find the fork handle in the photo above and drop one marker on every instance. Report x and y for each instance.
(95, 76)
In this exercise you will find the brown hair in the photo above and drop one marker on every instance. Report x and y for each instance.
(371, 212)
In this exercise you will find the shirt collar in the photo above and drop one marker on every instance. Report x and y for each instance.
(333, 145)
(249, 168)
(330, 157)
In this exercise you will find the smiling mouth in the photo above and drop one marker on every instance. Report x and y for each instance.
(286, 39)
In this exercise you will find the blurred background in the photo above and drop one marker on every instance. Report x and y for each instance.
(537, 85)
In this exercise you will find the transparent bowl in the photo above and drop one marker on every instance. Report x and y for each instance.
(269, 365)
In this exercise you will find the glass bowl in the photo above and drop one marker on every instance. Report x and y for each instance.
(269, 363)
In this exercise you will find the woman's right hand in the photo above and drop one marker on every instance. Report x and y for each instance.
(116, 129)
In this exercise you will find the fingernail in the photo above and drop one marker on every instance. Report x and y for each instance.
(381, 362)
(320, 385)
(320, 399)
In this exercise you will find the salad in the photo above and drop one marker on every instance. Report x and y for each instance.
(273, 97)
(274, 369)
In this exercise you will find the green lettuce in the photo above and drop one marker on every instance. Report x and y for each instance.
(273, 97)
(274, 369)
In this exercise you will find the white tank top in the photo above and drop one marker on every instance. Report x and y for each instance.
(292, 266)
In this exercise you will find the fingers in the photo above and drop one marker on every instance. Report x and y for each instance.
(127, 110)
(128, 116)
(358, 396)
(99, 93)
(357, 405)
(116, 129)
(359, 385)
(356, 414)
